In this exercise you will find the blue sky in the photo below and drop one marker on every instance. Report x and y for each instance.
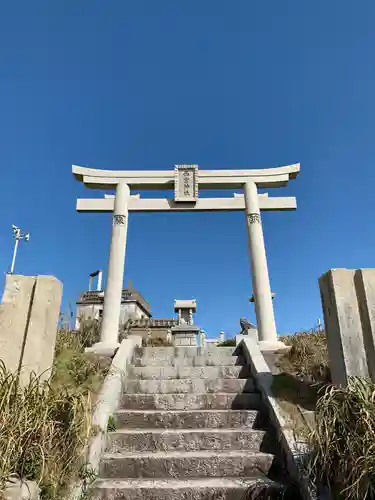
(146, 85)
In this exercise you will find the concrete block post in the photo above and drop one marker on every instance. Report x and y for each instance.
(364, 280)
(29, 316)
(113, 291)
(14, 317)
(343, 325)
(261, 283)
(41, 336)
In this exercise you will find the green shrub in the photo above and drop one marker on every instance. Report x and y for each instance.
(111, 424)
(227, 343)
(79, 371)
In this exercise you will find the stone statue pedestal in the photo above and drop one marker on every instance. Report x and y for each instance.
(185, 335)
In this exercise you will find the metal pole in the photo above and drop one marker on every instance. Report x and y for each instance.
(14, 256)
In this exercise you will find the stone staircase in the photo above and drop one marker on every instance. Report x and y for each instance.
(188, 428)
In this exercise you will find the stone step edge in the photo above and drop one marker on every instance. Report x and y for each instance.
(121, 411)
(136, 363)
(194, 483)
(202, 430)
(184, 371)
(185, 352)
(161, 379)
(172, 379)
(204, 454)
(243, 382)
(131, 378)
(153, 394)
(185, 419)
(230, 365)
(194, 352)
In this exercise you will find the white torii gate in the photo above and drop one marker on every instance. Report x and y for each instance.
(186, 180)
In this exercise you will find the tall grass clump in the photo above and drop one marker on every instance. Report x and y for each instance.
(45, 425)
(343, 441)
(42, 432)
(73, 368)
(308, 357)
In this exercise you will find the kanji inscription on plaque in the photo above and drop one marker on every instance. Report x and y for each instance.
(186, 183)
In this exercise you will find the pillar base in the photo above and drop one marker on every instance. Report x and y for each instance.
(103, 348)
(273, 346)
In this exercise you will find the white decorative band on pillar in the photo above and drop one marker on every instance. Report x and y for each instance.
(261, 284)
(115, 274)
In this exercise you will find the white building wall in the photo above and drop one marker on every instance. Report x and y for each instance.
(128, 310)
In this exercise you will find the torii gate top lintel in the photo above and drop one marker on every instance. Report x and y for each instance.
(165, 179)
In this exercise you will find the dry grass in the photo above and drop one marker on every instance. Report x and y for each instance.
(308, 357)
(156, 342)
(42, 433)
(343, 440)
(303, 372)
(45, 426)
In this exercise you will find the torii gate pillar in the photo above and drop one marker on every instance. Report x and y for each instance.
(115, 274)
(264, 312)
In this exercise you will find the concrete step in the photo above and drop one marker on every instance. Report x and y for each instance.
(185, 401)
(197, 419)
(179, 351)
(202, 360)
(174, 489)
(187, 385)
(177, 464)
(184, 440)
(182, 372)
